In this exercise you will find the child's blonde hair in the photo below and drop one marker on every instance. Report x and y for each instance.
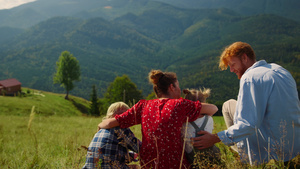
(115, 109)
(195, 95)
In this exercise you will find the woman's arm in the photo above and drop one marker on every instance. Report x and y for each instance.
(208, 109)
(108, 123)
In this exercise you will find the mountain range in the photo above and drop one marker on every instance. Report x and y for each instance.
(32, 13)
(116, 37)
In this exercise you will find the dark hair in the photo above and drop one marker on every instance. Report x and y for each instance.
(161, 81)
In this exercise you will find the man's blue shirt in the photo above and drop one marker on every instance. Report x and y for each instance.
(267, 117)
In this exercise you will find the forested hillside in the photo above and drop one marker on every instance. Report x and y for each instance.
(32, 13)
(285, 8)
(186, 41)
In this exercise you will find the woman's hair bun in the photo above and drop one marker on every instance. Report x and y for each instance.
(155, 75)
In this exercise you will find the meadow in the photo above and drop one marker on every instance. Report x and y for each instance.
(49, 142)
(46, 131)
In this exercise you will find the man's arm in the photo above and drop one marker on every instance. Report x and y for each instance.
(206, 140)
(108, 123)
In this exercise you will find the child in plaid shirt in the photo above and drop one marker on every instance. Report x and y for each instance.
(110, 147)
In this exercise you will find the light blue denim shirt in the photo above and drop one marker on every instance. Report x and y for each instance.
(267, 117)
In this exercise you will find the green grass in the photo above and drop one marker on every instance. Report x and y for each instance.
(56, 142)
(55, 136)
(49, 142)
(46, 104)
(59, 141)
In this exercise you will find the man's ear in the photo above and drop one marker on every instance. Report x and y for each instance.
(245, 58)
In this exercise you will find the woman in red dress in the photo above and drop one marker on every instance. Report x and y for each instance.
(161, 121)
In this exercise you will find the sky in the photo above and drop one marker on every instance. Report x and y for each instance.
(7, 4)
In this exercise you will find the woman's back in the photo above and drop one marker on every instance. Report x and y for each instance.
(161, 120)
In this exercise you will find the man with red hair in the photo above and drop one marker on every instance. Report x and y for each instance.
(267, 113)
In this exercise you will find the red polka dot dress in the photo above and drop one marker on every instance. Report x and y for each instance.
(161, 121)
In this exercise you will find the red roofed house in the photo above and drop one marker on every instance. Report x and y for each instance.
(10, 86)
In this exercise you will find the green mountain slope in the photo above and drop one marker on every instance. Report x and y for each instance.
(104, 50)
(185, 41)
(194, 54)
(285, 8)
(273, 38)
(7, 33)
(30, 14)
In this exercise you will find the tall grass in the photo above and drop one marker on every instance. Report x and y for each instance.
(46, 142)
(38, 141)
(56, 142)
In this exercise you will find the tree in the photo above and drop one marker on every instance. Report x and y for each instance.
(68, 70)
(151, 96)
(94, 109)
(121, 89)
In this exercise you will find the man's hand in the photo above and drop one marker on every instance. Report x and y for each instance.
(205, 141)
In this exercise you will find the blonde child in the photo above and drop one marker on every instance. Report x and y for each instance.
(203, 123)
(110, 147)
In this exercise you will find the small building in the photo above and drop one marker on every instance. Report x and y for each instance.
(10, 87)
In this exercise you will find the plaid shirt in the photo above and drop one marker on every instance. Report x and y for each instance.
(109, 148)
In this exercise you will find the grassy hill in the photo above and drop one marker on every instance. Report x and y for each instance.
(46, 104)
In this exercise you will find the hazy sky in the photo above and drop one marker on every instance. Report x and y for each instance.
(7, 4)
